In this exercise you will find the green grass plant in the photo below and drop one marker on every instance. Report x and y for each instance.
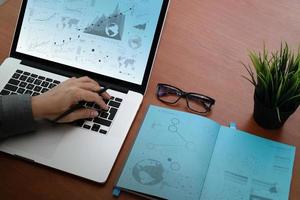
(276, 78)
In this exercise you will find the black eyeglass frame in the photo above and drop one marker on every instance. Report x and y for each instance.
(207, 102)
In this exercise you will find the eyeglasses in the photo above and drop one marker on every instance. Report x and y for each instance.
(198, 103)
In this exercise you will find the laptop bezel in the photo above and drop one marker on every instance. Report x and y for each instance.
(70, 71)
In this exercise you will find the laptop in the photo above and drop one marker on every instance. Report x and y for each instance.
(112, 41)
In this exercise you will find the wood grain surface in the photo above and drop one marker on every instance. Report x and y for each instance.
(201, 48)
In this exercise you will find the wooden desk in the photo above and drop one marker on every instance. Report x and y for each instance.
(201, 48)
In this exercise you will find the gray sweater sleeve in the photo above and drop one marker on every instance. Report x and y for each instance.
(15, 115)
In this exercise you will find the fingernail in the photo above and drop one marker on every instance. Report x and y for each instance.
(95, 114)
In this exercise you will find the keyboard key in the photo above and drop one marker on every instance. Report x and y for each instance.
(23, 78)
(114, 104)
(35, 94)
(14, 81)
(41, 78)
(37, 88)
(28, 92)
(112, 112)
(51, 86)
(45, 84)
(103, 122)
(106, 101)
(56, 82)
(96, 106)
(95, 127)
(30, 86)
(34, 75)
(79, 122)
(10, 87)
(44, 90)
(21, 91)
(37, 82)
(118, 100)
(30, 80)
(87, 126)
(23, 84)
(104, 115)
(103, 131)
(19, 71)
(13, 93)
(49, 79)
(89, 104)
(26, 73)
(4, 92)
(16, 75)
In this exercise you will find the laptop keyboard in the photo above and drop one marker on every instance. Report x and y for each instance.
(103, 122)
(33, 84)
(26, 83)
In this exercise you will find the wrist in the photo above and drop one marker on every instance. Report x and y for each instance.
(37, 108)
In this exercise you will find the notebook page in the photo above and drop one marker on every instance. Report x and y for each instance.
(171, 155)
(245, 166)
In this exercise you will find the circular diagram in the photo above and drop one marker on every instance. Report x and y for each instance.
(135, 42)
(148, 172)
(112, 30)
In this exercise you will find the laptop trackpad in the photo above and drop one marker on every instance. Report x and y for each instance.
(42, 143)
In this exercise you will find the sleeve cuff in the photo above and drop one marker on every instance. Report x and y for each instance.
(17, 115)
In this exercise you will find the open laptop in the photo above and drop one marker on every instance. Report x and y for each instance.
(111, 41)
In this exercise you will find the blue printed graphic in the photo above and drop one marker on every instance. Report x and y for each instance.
(180, 155)
(244, 166)
(171, 155)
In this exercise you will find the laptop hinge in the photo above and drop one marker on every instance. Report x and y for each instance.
(72, 74)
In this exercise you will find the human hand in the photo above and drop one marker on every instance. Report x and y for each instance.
(61, 98)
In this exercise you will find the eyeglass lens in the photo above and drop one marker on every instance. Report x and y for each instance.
(168, 94)
(197, 103)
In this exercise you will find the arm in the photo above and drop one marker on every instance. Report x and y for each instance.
(15, 115)
(19, 112)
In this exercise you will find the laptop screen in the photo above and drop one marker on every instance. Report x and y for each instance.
(108, 37)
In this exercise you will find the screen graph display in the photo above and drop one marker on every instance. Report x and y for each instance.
(107, 37)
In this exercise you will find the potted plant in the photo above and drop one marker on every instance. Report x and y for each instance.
(277, 85)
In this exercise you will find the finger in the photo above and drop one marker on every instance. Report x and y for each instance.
(70, 80)
(105, 95)
(95, 88)
(79, 114)
(89, 86)
(86, 79)
(91, 97)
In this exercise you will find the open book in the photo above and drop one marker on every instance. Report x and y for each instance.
(179, 155)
